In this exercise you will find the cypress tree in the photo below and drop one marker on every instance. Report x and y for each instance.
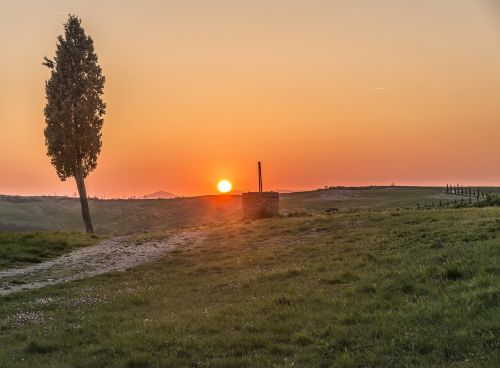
(74, 110)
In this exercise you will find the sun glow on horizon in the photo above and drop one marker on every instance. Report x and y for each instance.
(210, 102)
(224, 186)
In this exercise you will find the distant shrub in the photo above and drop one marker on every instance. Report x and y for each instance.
(40, 347)
(140, 361)
(489, 201)
(454, 272)
(437, 244)
(262, 214)
(298, 214)
(283, 300)
(408, 288)
(332, 210)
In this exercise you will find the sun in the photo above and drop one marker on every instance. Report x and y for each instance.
(224, 186)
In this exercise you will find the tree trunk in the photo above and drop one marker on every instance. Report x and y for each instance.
(80, 183)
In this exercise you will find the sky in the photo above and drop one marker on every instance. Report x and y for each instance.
(339, 92)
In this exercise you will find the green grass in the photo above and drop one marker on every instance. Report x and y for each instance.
(17, 248)
(381, 289)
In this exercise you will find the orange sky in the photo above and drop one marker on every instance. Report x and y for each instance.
(352, 92)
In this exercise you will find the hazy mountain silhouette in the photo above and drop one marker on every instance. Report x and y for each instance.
(160, 195)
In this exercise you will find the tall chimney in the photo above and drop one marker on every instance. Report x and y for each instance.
(260, 177)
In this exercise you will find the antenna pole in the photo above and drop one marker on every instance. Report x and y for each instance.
(260, 177)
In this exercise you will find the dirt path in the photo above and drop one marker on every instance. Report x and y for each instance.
(117, 254)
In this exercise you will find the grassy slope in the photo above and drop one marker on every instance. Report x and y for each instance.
(372, 198)
(116, 216)
(129, 216)
(394, 288)
(17, 249)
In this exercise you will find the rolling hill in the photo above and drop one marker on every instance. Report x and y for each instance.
(127, 216)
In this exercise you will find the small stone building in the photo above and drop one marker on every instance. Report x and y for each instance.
(260, 204)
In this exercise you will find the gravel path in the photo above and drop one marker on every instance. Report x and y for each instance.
(117, 254)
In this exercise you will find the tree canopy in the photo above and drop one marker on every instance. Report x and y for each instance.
(74, 110)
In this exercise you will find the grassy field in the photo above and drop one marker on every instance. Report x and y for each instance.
(396, 288)
(364, 198)
(115, 216)
(131, 216)
(18, 249)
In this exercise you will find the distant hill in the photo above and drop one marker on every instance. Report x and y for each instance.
(283, 191)
(160, 195)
